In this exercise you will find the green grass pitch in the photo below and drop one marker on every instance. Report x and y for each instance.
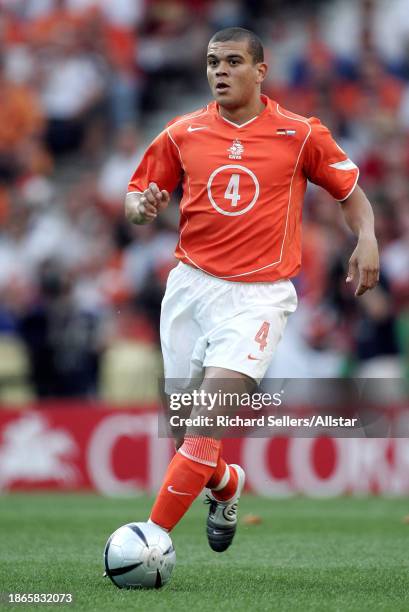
(307, 555)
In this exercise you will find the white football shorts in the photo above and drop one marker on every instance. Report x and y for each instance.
(208, 321)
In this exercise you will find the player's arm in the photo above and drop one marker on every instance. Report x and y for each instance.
(364, 261)
(156, 176)
(143, 208)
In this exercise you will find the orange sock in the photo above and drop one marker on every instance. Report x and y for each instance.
(186, 476)
(219, 472)
(223, 482)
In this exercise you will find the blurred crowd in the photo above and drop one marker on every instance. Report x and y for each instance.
(85, 85)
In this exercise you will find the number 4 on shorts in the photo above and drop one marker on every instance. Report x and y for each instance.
(262, 335)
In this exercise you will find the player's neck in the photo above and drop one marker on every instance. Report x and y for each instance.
(244, 113)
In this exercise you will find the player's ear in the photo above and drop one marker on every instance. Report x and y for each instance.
(261, 72)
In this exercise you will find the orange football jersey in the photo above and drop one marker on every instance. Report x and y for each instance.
(243, 187)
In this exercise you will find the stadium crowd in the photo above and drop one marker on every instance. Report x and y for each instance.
(85, 84)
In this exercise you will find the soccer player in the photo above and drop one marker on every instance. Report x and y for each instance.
(244, 162)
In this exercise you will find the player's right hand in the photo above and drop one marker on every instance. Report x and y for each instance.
(152, 201)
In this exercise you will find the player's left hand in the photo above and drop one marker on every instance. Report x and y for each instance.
(364, 261)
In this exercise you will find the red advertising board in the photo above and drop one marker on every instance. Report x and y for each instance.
(118, 452)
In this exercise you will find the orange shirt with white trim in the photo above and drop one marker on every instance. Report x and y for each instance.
(243, 187)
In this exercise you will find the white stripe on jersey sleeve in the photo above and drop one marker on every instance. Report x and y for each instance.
(347, 164)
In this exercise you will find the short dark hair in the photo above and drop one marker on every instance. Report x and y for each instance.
(255, 46)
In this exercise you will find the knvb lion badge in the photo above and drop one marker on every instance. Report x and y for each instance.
(236, 150)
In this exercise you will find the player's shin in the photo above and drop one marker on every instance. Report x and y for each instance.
(187, 475)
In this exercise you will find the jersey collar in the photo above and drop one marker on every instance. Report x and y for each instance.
(265, 111)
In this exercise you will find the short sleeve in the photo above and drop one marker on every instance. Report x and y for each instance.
(160, 164)
(327, 165)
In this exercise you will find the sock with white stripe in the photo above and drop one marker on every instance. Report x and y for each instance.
(223, 482)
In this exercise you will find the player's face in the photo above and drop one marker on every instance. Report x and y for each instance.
(233, 76)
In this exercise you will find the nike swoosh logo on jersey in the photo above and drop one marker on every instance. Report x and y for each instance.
(193, 129)
(253, 358)
(171, 490)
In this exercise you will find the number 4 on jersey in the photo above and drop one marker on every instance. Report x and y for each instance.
(232, 191)
(262, 335)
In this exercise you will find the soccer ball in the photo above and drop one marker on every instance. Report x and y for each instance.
(139, 555)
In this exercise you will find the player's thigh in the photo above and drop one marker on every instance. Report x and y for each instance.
(180, 330)
(246, 341)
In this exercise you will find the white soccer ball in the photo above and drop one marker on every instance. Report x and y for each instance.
(139, 555)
